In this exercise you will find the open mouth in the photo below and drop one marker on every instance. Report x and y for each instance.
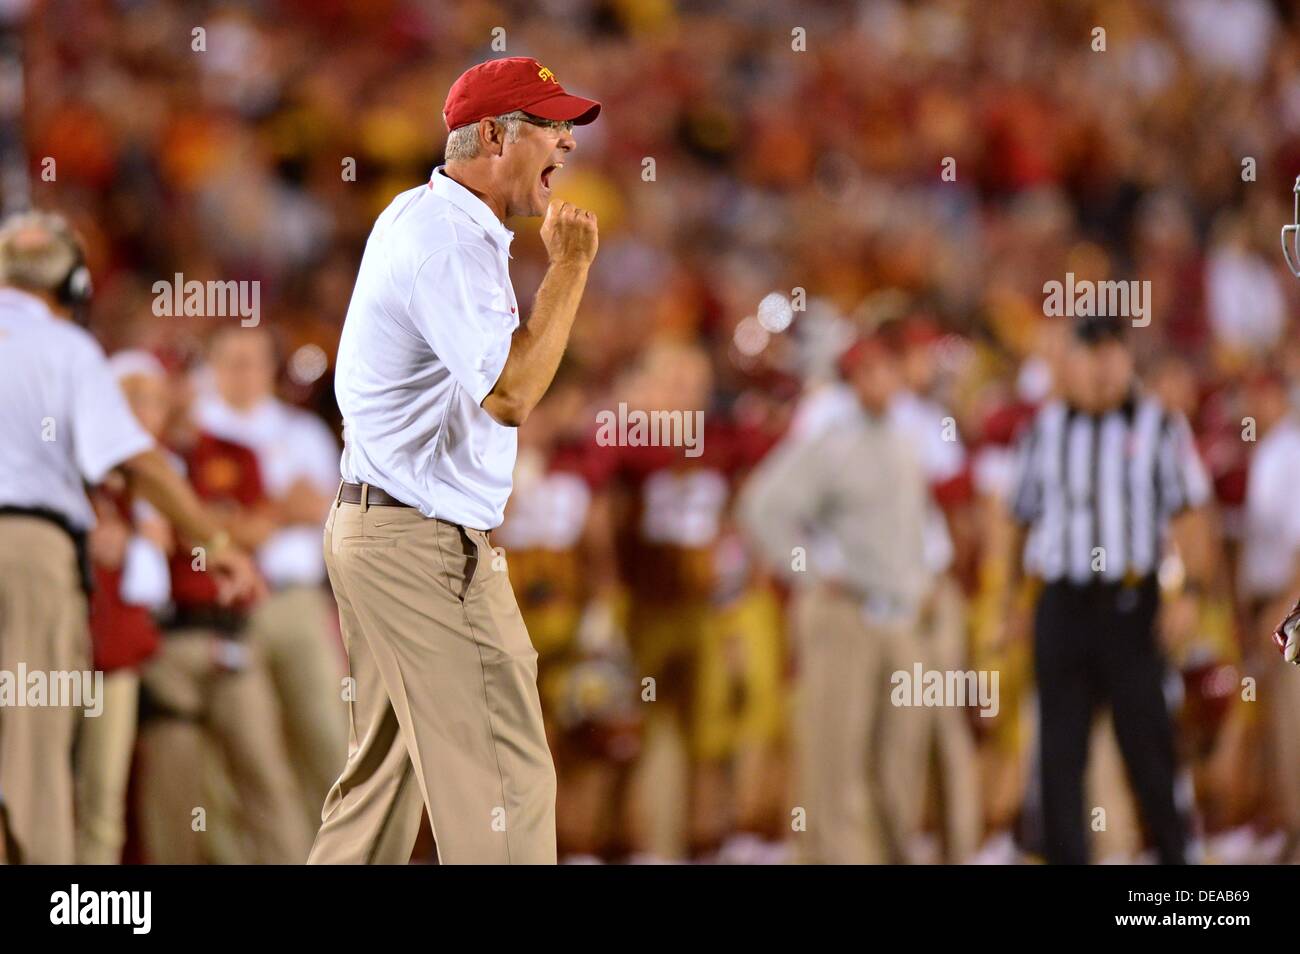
(550, 171)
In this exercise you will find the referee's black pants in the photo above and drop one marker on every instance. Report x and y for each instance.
(1095, 645)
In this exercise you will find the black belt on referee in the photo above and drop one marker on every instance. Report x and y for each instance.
(352, 493)
(1130, 580)
(77, 535)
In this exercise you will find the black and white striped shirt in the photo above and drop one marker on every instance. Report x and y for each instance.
(1098, 490)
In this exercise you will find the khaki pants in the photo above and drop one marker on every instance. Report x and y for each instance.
(104, 747)
(43, 625)
(291, 629)
(211, 688)
(942, 730)
(445, 708)
(852, 770)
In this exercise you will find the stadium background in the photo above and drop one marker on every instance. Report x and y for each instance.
(774, 169)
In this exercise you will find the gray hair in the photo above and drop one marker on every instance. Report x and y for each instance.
(463, 142)
(37, 251)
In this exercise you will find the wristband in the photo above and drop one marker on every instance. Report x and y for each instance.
(219, 542)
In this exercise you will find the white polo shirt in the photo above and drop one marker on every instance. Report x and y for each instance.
(427, 333)
(1270, 546)
(63, 418)
(291, 445)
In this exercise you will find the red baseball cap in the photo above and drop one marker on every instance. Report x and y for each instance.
(516, 82)
(872, 346)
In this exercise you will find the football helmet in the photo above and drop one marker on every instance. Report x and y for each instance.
(1291, 233)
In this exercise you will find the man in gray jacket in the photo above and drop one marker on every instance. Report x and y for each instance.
(843, 510)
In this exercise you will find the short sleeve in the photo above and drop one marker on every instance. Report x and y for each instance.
(945, 458)
(104, 430)
(146, 579)
(318, 452)
(461, 305)
(1182, 478)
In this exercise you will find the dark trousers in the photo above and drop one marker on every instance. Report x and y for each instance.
(1095, 645)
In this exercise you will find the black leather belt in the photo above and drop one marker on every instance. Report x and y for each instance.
(351, 493)
(223, 619)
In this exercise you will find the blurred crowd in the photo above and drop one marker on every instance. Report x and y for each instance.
(771, 180)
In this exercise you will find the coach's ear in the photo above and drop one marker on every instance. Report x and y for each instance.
(491, 136)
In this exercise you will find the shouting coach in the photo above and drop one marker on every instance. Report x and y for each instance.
(435, 372)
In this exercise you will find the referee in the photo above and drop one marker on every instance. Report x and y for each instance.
(435, 374)
(1104, 473)
(63, 424)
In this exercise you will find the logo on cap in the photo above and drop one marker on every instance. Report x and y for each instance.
(501, 86)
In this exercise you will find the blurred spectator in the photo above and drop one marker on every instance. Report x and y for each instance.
(129, 548)
(298, 458)
(847, 506)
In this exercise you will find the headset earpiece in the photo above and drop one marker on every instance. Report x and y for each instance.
(75, 291)
(76, 288)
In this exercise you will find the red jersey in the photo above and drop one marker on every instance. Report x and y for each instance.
(221, 472)
(121, 634)
(679, 506)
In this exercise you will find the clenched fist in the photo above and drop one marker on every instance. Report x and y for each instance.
(569, 233)
(1287, 635)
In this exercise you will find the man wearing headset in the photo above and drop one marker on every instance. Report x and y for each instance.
(63, 424)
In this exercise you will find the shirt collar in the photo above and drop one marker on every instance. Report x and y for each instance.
(17, 300)
(448, 188)
(1127, 407)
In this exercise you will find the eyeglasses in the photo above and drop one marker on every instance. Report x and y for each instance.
(557, 124)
